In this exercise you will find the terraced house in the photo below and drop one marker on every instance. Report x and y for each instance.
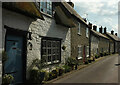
(114, 41)
(50, 40)
(17, 17)
(34, 32)
(79, 35)
(41, 32)
(104, 42)
(99, 43)
(79, 32)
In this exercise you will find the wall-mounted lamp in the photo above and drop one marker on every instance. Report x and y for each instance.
(29, 36)
(30, 45)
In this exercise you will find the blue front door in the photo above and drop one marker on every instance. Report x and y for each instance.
(14, 63)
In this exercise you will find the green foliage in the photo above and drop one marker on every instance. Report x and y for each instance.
(67, 68)
(4, 57)
(60, 71)
(89, 60)
(50, 76)
(36, 75)
(104, 53)
(71, 62)
(101, 54)
(55, 73)
(7, 79)
(96, 56)
(46, 76)
(63, 47)
(39, 63)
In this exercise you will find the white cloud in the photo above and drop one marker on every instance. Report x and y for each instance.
(100, 12)
(90, 7)
(108, 22)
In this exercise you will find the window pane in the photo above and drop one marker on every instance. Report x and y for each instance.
(51, 49)
(53, 58)
(49, 58)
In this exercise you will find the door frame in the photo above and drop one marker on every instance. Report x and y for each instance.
(23, 34)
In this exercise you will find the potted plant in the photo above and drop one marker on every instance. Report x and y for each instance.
(7, 79)
(60, 71)
(37, 75)
(67, 68)
(63, 47)
(71, 62)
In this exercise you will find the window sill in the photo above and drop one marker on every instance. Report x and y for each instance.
(79, 58)
(53, 62)
(87, 56)
(79, 34)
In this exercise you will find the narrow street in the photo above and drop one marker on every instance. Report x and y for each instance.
(103, 71)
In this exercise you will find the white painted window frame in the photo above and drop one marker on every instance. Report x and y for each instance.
(87, 55)
(87, 32)
(79, 28)
(79, 52)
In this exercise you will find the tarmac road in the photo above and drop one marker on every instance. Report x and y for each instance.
(103, 71)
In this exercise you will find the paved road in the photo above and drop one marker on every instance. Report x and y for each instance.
(103, 71)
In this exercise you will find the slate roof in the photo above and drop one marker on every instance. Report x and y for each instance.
(99, 34)
(113, 37)
(72, 11)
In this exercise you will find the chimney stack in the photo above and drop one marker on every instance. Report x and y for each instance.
(100, 29)
(90, 25)
(85, 19)
(112, 32)
(116, 34)
(95, 28)
(105, 30)
(71, 3)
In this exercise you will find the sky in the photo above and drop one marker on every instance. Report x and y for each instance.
(99, 12)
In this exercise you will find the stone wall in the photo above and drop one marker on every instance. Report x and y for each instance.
(103, 45)
(94, 45)
(47, 28)
(78, 39)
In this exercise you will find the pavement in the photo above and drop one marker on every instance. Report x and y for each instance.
(105, 70)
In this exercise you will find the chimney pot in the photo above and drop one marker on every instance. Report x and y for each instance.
(116, 34)
(112, 32)
(90, 25)
(95, 28)
(100, 29)
(71, 4)
(105, 30)
(85, 19)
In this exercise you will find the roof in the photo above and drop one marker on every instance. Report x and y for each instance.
(72, 11)
(99, 34)
(26, 8)
(113, 37)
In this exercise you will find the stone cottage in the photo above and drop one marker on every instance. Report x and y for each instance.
(50, 38)
(104, 42)
(99, 42)
(114, 41)
(17, 17)
(79, 33)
